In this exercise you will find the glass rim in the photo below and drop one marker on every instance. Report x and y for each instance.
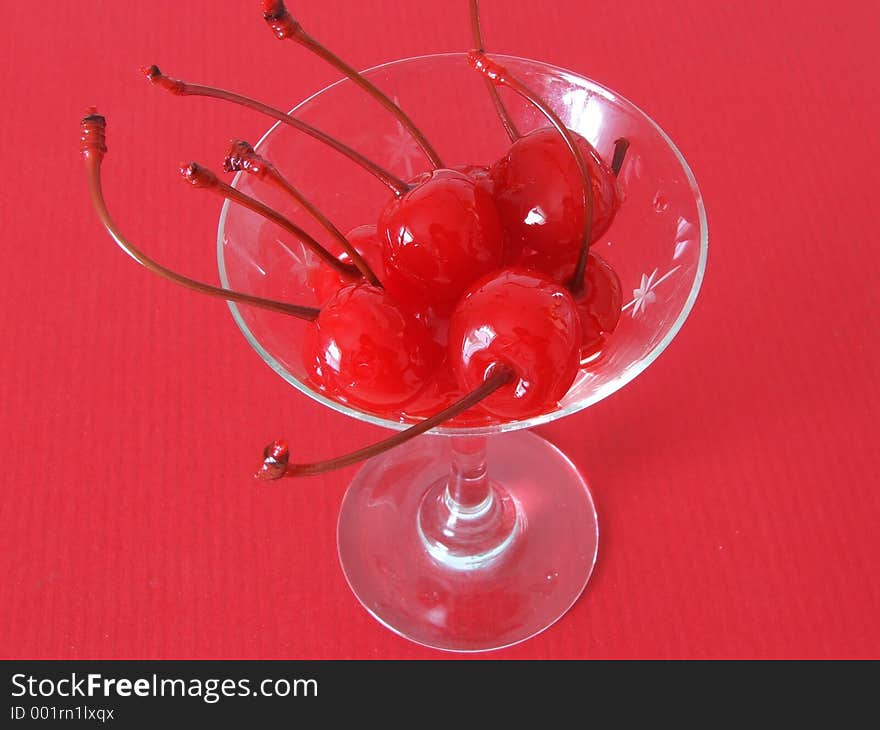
(627, 375)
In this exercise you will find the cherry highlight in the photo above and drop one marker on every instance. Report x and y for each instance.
(183, 88)
(276, 457)
(93, 147)
(284, 26)
(242, 157)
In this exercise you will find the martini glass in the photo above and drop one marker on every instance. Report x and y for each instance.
(479, 537)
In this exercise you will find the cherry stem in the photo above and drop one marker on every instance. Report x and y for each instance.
(242, 157)
(285, 26)
(620, 147)
(276, 456)
(503, 114)
(499, 75)
(201, 177)
(93, 147)
(183, 88)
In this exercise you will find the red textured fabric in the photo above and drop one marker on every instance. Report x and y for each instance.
(736, 480)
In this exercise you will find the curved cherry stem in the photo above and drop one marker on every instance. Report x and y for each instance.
(93, 148)
(277, 455)
(242, 157)
(499, 75)
(183, 88)
(620, 147)
(503, 114)
(285, 26)
(202, 178)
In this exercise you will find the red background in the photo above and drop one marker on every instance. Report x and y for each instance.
(736, 480)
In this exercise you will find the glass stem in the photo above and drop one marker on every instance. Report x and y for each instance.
(467, 521)
(468, 489)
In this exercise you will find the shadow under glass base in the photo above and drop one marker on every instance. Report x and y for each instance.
(468, 576)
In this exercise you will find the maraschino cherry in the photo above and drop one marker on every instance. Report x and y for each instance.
(526, 321)
(437, 238)
(540, 211)
(550, 180)
(363, 349)
(539, 193)
(514, 344)
(550, 215)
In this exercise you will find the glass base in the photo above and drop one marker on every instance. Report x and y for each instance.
(480, 578)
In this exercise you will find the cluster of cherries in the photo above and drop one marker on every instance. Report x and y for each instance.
(474, 298)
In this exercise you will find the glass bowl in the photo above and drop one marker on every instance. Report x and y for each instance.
(473, 557)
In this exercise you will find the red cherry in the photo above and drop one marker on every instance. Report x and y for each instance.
(599, 304)
(523, 320)
(325, 281)
(365, 350)
(539, 193)
(438, 238)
